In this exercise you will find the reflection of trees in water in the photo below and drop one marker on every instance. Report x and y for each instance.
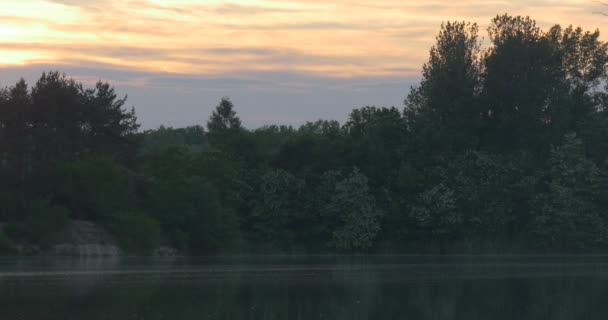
(339, 291)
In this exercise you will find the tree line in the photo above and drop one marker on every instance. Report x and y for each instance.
(501, 147)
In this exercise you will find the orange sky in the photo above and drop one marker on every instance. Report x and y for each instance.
(280, 61)
(333, 38)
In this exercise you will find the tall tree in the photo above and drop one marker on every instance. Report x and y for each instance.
(108, 128)
(442, 110)
(522, 77)
(584, 58)
(224, 118)
(225, 131)
(15, 134)
(377, 142)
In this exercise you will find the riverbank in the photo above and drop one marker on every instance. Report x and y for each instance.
(78, 238)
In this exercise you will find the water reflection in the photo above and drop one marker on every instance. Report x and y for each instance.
(389, 287)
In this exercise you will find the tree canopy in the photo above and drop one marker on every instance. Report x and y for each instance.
(500, 147)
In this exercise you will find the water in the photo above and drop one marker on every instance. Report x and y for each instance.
(306, 287)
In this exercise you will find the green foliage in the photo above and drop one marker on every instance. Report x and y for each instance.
(58, 120)
(192, 138)
(38, 221)
(567, 213)
(225, 128)
(135, 232)
(6, 245)
(436, 212)
(278, 207)
(480, 180)
(94, 188)
(443, 111)
(584, 56)
(189, 207)
(376, 139)
(509, 144)
(11, 203)
(353, 214)
(224, 118)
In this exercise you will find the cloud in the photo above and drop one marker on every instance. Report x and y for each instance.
(300, 60)
(238, 9)
(339, 38)
(79, 2)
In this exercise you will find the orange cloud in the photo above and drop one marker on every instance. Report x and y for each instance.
(339, 38)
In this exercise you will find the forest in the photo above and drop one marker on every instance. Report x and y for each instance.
(501, 147)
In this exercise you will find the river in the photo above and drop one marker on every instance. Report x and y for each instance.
(306, 287)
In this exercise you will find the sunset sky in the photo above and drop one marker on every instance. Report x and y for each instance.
(280, 61)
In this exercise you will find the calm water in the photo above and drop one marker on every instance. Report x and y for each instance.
(305, 287)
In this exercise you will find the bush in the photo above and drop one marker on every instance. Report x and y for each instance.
(10, 205)
(135, 232)
(37, 222)
(6, 245)
(94, 187)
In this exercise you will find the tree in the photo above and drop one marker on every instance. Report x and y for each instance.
(353, 214)
(15, 134)
(94, 189)
(192, 138)
(376, 140)
(313, 149)
(584, 56)
(56, 119)
(177, 191)
(223, 118)
(57, 122)
(567, 213)
(107, 127)
(278, 208)
(443, 110)
(583, 60)
(504, 144)
(522, 77)
(480, 182)
(227, 135)
(436, 216)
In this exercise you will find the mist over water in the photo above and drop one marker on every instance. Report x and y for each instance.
(306, 287)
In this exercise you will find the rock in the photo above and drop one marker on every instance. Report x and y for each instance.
(85, 238)
(90, 249)
(80, 238)
(165, 251)
(27, 249)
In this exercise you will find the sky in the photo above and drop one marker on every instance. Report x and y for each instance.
(280, 62)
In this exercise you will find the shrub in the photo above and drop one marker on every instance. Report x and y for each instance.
(6, 245)
(37, 221)
(135, 232)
